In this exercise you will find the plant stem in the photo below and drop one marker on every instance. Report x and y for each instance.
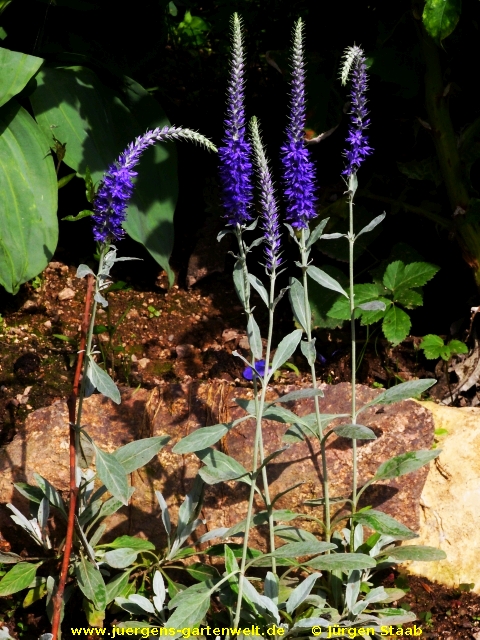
(351, 240)
(71, 403)
(308, 328)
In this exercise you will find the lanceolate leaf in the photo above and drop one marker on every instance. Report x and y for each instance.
(18, 578)
(112, 474)
(201, 438)
(258, 286)
(136, 454)
(221, 467)
(296, 295)
(342, 561)
(325, 280)
(90, 581)
(100, 380)
(97, 123)
(28, 198)
(286, 348)
(415, 552)
(355, 432)
(403, 391)
(254, 337)
(383, 523)
(121, 558)
(405, 463)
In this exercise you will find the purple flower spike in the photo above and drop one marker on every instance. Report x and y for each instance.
(359, 148)
(249, 373)
(299, 173)
(235, 164)
(116, 188)
(268, 203)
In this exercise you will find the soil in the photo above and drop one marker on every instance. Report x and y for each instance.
(150, 335)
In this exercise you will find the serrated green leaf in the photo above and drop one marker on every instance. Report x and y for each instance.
(112, 474)
(440, 17)
(405, 463)
(409, 298)
(394, 275)
(19, 577)
(138, 453)
(385, 524)
(432, 346)
(456, 346)
(396, 325)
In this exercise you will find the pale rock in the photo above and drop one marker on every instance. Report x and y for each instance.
(450, 501)
(66, 294)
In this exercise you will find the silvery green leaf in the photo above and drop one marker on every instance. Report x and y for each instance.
(116, 586)
(86, 452)
(385, 524)
(192, 605)
(280, 414)
(342, 562)
(34, 494)
(416, 553)
(213, 533)
(142, 602)
(255, 243)
(159, 591)
(239, 282)
(300, 394)
(190, 507)
(182, 535)
(325, 280)
(281, 293)
(102, 381)
(112, 474)
(375, 595)
(296, 294)
(50, 493)
(375, 305)
(301, 592)
(278, 515)
(405, 463)
(247, 405)
(223, 233)
(333, 236)
(297, 549)
(221, 467)
(85, 543)
(131, 607)
(26, 524)
(43, 513)
(285, 491)
(165, 514)
(352, 184)
(311, 622)
(354, 432)
(46, 636)
(401, 391)
(201, 438)
(371, 226)
(353, 589)
(95, 539)
(112, 505)
(261, 603)
(259, 288)
(316, 233)
(291, 231)
(138, 453)
(120, 558)
(308, 350)
(100, 299)
(252, 226)
(8, 557)
(271, 586)
(84, 270)
(91, 583)
(254, 337)
(286, 348)
(294, 534)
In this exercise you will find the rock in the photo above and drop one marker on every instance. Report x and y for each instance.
(450, 500)
(66, 294)
(177, 410)
(185, 350)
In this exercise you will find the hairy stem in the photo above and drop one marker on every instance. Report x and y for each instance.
(351, 241)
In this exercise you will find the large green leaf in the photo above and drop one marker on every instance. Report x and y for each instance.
(396, 325)
(342, 562)
(91, 583)
(16, 69)
(18, 578)
(112, 474)
(415, 553)
(383, 523)
(405, 463)
(136, 454)
(97, 122)
(440, 17)
(28, 198)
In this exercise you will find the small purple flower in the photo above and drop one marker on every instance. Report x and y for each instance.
(359, 148)
(299, 172)
(268, 202)
(116, 189)
(249, 373)
(235, 164)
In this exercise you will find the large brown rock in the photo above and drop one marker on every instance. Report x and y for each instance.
(177, 410)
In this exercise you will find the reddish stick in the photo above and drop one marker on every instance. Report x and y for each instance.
(72, 406)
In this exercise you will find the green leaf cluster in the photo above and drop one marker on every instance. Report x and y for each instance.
(434, 347)
(400, 289)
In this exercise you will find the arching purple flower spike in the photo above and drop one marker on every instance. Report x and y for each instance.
(115, 190)
(268, 202)
(235, 164)
(299, 173)
(354, 65)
